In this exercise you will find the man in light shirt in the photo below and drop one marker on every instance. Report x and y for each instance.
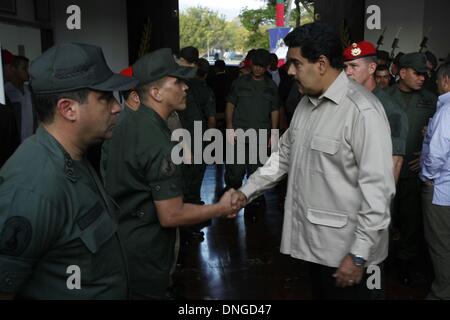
(337, 154)
(435, 164)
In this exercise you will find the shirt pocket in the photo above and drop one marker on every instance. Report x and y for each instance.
(329, 232)
(327, 218)
(324, 155)
(96, 228)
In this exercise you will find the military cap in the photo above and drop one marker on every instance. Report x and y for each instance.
(397, 58)
(416, 61)
(159, 64)
(359, 50)
(127, 72)
(74, 66)
(261, 57)
(7, 57)
(381, 54)
(190, 54)
(203, 65)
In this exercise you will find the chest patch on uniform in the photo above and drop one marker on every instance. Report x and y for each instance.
(425, 104)
(16, 236)
(168, 168)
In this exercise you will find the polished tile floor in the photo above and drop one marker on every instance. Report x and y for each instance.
(240, 259)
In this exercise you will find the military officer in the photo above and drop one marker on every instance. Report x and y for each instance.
(145, 182)
(56, 220)
(200, 108)
(360, 65)
(253, 103)
(419, 105)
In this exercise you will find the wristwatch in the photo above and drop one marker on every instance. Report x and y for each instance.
(358, 260)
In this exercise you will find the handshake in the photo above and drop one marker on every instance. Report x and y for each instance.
(231, 202)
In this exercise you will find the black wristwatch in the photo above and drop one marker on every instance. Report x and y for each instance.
(358, 260)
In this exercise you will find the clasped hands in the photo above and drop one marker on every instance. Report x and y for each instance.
(232, 201)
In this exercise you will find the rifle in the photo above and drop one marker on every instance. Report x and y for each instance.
(395, 43)
(381, 38)
(424, 42)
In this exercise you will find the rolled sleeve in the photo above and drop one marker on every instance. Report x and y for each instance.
(14, 273)
(29, 225)
(163, 176)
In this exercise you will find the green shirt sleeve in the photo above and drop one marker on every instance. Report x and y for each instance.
(162, 175)
(233, 95)
(398, 122)
(29, 224)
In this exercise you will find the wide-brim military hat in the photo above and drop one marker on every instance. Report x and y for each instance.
(416, 61)
(74, 66)
(159, 64)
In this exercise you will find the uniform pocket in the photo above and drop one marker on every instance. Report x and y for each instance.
(325, 145)
(99, 231)
(327, 218)
(324, 155)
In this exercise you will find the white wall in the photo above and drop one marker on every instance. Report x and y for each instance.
(437, 17)
(12, 36)
(103, 23)
(415, 17)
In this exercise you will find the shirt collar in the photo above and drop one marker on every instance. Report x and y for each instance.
(154, 115)
(443, 99)
(62, 157)
(335, 92)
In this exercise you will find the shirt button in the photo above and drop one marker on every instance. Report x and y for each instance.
(141, 214)
(157, 188)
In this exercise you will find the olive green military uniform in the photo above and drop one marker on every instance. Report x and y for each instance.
(139, 171)
(419, 107)
(254, 101)
(200, 106)
(55, 214)
(398, 122)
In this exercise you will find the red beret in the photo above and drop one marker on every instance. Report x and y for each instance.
(127, 72)
(7, 57)
(359, 50)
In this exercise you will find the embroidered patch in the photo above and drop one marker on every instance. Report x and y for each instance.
(16, 236)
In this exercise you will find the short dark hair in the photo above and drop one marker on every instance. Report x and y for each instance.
(444, 70)
(18, 59)
(382, 67)
(45, 103)
(220, 65)
(316, 39)
(142, 90)
(371, 59)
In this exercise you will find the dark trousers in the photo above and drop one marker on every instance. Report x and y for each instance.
(323, 285)
(235, 173)
(407, 217)
(437, 235)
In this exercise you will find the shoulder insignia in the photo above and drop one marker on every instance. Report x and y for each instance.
(16, 236)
